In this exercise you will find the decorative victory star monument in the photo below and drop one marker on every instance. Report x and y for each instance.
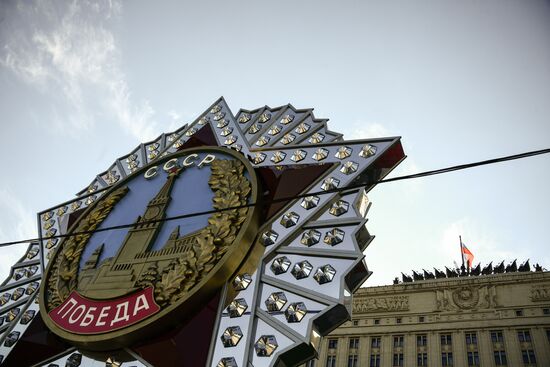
(237, 241)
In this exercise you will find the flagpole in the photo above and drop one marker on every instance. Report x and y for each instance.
(461, 254)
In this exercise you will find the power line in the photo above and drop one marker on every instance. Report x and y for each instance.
(294, 197)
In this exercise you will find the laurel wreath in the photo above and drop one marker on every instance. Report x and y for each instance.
(231, 189)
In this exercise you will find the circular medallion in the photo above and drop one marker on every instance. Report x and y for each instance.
(108, 288)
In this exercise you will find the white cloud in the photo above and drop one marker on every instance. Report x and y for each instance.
(70, 54)
(16, 222)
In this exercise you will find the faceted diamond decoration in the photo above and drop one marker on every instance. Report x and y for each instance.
(280, 265)
(334, 237)
(302, 269)
(231, 336)
(274, 130)
(61, 210)
(111, 177)
(367, 151)
(349, 167)
(27, 317)
(132, 166)
(231, 139)
(310, 202)
(269, 237)
(5, 298)
(316, 138)
(302, 128)
(31, 288)
(295, 312)
(12, 314)
(263, 140)
(204, 120)
(152, 155)
(254, 129)
(290, 219)
(320, 154)
(237, 147)
(76, 205)
(298, 155)
(241, 282)
(222, 123)
(11, 339)
(258, 158)
(288, 138)
(310, 237)
(237, 307)
(172, 137)
(48, 224)
(264, 117)
(218, 116)
(275, 302)
(324, 274)
(31, 271)
(153, 147)
(278, 156)
(178, 144)
(244, 118)
(74, 360)
(215, 109)
(48, 215)
(338, 208)
(343, 152)
(227, 362)
(89, 200)
(266, 345)
(18, 274)
(32, 253)
(51, 243)
(226, 131)
(190, 131)
(111, 362)
(131, 158)
(287, 119)
(17, 294)
(92, 188)
(330, 183)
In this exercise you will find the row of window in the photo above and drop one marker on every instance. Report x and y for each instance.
(497, 337)
(528, 357)
(446, 339)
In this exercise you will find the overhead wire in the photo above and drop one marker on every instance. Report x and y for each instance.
(294, 197)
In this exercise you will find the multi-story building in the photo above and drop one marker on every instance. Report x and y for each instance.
(486, 320)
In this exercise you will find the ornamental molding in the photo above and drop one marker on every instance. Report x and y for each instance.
(388, 304)
(468, 297)
(540, 293)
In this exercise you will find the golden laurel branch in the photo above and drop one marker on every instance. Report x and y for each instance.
(63, 278)
(231, 188)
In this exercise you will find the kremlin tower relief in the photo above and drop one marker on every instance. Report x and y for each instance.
(119, 275)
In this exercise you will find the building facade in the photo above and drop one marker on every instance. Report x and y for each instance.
(486, 320)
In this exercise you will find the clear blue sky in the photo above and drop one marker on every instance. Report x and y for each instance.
(83, 82)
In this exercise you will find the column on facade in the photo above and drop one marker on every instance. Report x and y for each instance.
(409, 349)
(434, 349)
(513, 352)
(323, 353)
(364, 351)
(485, 348)
(342, 352)
(541, 345)
(386, 352)
(460, 357)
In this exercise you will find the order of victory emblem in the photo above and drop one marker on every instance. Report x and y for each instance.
(234, 241)
(102, 289)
